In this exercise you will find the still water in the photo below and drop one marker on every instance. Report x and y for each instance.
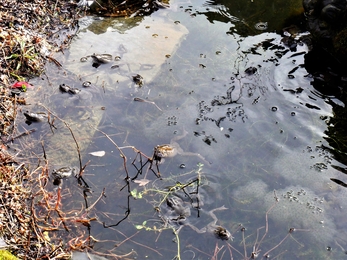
(236, 105)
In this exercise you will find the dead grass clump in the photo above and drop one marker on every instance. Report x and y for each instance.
(29, 32)
(18, 227)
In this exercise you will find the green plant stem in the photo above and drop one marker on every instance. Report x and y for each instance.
(178, 256)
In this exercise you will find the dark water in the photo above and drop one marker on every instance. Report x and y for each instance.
(246, 101)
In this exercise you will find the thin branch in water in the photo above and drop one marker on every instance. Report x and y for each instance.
(267, 222)
(244, 241)
(197, 249)
(44, 151)
(101, 195)
(267, 253)
(129, 238)
(127, 213)
(72, 134)
(82, 170)
(28, 132)
(51, 122)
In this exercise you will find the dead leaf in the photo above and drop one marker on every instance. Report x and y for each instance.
(142, 182)
(98, 153)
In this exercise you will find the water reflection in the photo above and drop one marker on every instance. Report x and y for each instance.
(99, 25)
(327, 74)
(129, 8)
(250, 17)
(336, 134)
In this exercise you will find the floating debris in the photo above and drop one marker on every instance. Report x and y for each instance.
(98, 153)
(142, 182)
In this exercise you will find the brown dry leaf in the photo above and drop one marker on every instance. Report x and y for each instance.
(142, 182)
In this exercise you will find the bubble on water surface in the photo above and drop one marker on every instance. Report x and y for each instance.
(261, 26)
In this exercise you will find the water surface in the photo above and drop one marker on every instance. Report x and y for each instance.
(247, 103)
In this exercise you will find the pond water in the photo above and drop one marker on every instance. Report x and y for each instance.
(237, 105)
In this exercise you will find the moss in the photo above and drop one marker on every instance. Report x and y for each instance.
(6, 255)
